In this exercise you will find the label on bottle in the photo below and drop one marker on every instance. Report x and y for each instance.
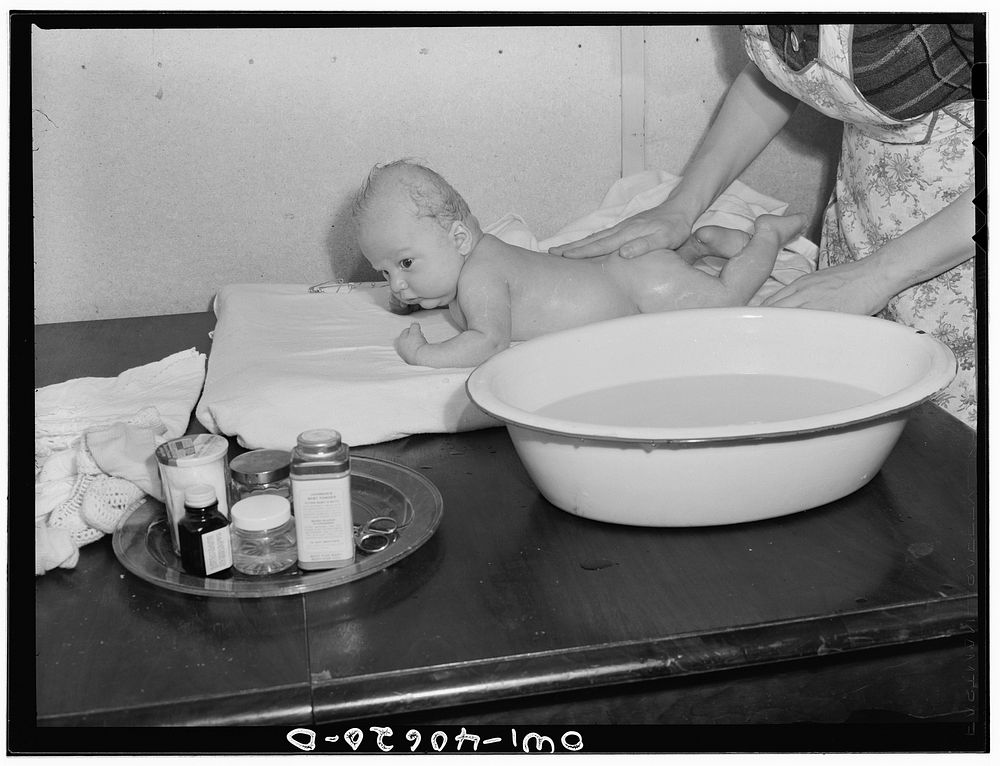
(216, 548)
(324, 528)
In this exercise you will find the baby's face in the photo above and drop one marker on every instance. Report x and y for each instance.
(418, 258)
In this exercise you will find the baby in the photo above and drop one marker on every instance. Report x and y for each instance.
(416, 230)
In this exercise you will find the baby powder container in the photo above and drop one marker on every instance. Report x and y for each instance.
(263, 535)
(260, 471)
(321, 494)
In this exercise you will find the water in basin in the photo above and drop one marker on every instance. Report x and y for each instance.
(708, 400)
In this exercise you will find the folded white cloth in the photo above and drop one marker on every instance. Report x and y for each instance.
(285, 359)
(94, 445)
(160, 394)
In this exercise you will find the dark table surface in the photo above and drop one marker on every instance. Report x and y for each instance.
(515, 610)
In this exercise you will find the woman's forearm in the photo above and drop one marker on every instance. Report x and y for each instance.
(865, 286)
(752, 114)
(930, 248)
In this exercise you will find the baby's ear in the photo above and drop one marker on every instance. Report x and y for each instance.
(462, 237)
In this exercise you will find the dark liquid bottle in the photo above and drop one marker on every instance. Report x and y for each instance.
(203, 534)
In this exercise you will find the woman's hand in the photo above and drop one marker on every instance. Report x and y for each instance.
(658, 228)
(852, 288)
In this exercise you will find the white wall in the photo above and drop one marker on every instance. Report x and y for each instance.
(169, 162)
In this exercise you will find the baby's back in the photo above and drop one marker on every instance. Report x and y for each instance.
(550, 293)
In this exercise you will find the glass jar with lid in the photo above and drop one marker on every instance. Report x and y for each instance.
(260, 471)
(263, 535)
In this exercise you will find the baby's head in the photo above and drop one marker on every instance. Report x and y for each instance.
(415, 229)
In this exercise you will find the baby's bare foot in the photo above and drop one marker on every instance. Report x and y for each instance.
(727, 243)
(718, 240)
(783, 228)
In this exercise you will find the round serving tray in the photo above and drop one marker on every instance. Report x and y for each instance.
(378, 488)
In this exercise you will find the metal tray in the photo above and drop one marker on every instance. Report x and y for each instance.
(378, 488)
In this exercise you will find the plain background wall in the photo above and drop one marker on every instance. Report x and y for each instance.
(169, 162)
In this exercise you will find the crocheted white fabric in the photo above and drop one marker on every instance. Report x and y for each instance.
(95, 505)
(94, 443)
(94, 501)
(107, 500)
(69, 514)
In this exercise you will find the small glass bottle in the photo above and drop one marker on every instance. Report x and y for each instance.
(203, 534)
(263, 535)
(260, 471)
(321, 494)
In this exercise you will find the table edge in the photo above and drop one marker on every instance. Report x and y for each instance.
(587, 667)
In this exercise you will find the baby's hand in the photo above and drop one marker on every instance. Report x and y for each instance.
(782, 229)
(396, 306)
(409, 342)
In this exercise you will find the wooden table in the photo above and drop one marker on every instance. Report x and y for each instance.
(858, 613)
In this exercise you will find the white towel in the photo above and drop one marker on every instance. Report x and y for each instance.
(285, 360)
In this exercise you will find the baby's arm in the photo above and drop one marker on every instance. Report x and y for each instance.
(485, 303)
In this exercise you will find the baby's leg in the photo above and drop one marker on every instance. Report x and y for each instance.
(745, 273)
(665, 280)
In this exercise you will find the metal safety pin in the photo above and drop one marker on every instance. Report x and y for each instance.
(322, 286)
(340, 284)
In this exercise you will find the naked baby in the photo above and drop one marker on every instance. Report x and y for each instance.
(416, 230)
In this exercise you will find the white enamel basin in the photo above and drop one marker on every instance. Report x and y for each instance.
(709, 416)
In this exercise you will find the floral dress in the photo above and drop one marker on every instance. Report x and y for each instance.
(892, 175)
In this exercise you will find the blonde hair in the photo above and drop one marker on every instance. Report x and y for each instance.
(431, 194)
